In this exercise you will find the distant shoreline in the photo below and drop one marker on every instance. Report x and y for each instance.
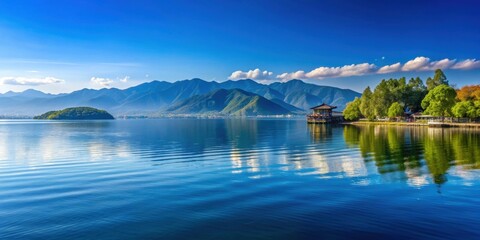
(180, 116)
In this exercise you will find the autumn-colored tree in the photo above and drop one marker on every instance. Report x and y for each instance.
(469, 93)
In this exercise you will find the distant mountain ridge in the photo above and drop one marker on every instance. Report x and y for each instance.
(157, 97)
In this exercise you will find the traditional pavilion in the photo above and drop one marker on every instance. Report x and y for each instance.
(324, 113)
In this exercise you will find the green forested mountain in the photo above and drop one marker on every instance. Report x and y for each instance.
(229, 102)
(76, 113)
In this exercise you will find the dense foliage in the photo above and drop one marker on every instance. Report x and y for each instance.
(366, 104)
(395, 110)
(439, 101)
(469, 102)
(393, 97)
(352, 111)
(76, 113)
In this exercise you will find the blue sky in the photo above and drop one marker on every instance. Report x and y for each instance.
(61, 46)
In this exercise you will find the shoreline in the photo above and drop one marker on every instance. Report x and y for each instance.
(416, 124)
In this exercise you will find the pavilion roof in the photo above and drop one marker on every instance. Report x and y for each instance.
(324, 106)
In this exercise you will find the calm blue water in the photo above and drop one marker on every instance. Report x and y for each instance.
(236, 179)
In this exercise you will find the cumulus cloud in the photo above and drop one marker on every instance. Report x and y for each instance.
(424, 64)
(255, 74)
(331, 72)
(442, 64)
(467, 64)
(125, 79)
(417, 64)
(390, 68)
(105, 82)
(26, 81)
(294, 75)
(345, 71)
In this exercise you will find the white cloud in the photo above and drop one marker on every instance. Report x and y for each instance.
(106, 82)
(424, 64)
(390, 68)
(331, 72)
(294, 75)
(30, 81)
(251, 74)
(467, 64)
(125, 79)
(442, 64)
(417, 64)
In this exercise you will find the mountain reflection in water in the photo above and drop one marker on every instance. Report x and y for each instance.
(235, 179)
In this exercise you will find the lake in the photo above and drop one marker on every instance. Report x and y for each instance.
(236, 179)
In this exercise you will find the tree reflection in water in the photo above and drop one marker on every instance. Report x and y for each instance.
(407, 149)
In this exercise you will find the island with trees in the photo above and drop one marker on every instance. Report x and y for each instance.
(77, 113)
(401, 101)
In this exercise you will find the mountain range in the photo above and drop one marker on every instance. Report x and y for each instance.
(195, 96)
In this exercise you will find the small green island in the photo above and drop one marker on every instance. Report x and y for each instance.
(76, 113)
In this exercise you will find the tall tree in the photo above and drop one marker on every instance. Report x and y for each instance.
(366, 104)
(415, 93)
(439, 101)
(438, 79)
(383, 97)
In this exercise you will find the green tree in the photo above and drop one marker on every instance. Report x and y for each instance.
(475, 111)
(395, 110)
(399, 89)
(352, 111)
(470, 109)
(462, 109)
(366, 104)
(415, 93)
(382, 98)
(438, 79)
(439, 101)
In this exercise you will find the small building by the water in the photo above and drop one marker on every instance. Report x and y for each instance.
(324, 113)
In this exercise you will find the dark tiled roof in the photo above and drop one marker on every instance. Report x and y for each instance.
(324, 106)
